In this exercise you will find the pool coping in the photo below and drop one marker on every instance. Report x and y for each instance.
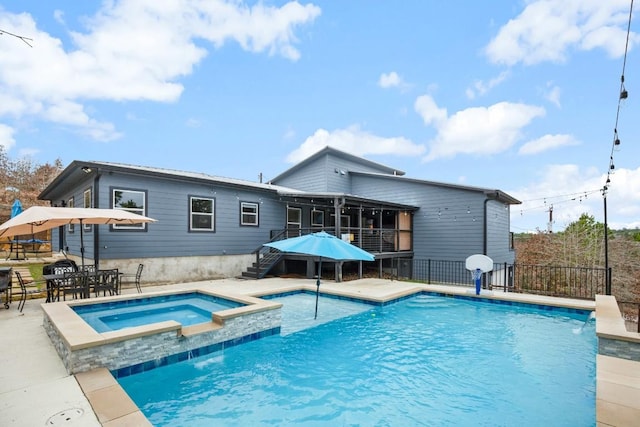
(617, 380)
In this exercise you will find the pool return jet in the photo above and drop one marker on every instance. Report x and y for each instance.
(478, 264)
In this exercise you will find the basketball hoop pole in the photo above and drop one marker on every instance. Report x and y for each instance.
(477, 275)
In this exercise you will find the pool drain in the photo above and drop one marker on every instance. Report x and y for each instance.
(66, 416)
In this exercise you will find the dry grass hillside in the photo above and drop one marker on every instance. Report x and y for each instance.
(580, 248)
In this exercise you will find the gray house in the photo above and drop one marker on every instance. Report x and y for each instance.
(213, 227)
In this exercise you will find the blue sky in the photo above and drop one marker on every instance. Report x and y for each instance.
(516, 95)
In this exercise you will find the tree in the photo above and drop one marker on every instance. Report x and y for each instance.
(583, 242)
(24, 180)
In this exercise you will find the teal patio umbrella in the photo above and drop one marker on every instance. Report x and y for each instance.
(321, 245)
(16, 208)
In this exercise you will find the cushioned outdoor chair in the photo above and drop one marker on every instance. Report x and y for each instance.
(23, 292)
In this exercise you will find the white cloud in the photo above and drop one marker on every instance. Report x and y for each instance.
(388, 80)
(28, 152)
(552, 94)
(355, 141)
(6, 136)
(73, 114)
(546, 143)
(547, 29)
(574, 190)
(479, 87)
(193, 123)
(132, 50)
(58, 15)
(289, 133)
(478, 130)
(427, 108)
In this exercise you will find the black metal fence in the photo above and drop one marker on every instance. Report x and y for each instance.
(571, 282)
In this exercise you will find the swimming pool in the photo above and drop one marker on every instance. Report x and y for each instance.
(426, 360)
(187, 309)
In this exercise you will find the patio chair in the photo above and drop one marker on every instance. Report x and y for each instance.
(74, 283)
(107, 281)
(23, 292)
(53, 286)
(136, 277)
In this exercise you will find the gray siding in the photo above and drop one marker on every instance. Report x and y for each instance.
(450, 222)
(328, 173)
(312, 178)
(498, 235)
(168, 202)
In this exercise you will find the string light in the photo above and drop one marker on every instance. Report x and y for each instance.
(622, 95)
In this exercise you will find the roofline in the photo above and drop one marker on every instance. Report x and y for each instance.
(330, 150)
(491, 193)
(78, 165)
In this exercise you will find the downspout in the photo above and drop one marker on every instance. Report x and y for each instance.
(485, 230)
(338, 204)
(96, 234)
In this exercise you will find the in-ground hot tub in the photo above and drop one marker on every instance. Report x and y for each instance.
(159, 338)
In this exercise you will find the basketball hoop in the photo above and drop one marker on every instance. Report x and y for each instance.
(476, 274)
(478, 264)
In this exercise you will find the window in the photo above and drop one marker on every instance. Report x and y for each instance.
(201, 214)
(70, 227)
(317, 218)
(132, 201)
(294, 221)
(87, 204)
(249, 213)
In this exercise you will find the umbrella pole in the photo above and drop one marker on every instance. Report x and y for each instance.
(81, 244)
(318, 286)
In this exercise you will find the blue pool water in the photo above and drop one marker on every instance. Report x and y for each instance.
(187, 309)
(424, 361)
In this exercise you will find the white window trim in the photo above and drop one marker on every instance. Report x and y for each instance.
(87, 227)
(139, 211)
(70, 204)
(254, 214)
(212, 214)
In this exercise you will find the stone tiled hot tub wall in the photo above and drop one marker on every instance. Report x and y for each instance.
(613, 338)
(81, 348)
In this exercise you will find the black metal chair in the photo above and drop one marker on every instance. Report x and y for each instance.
(107, 281)
(136, 277)
(75, 283)
(53, 286)
(23, 292)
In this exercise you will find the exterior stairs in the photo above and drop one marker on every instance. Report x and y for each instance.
(268, 258)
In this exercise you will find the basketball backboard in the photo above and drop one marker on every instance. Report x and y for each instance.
(479, 261)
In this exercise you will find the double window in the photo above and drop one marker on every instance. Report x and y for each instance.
(133, 201)
(202, 214)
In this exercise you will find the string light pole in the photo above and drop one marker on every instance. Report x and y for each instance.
(622, 95)
(27, 40)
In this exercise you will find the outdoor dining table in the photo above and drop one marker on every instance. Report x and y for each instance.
(53, 284)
